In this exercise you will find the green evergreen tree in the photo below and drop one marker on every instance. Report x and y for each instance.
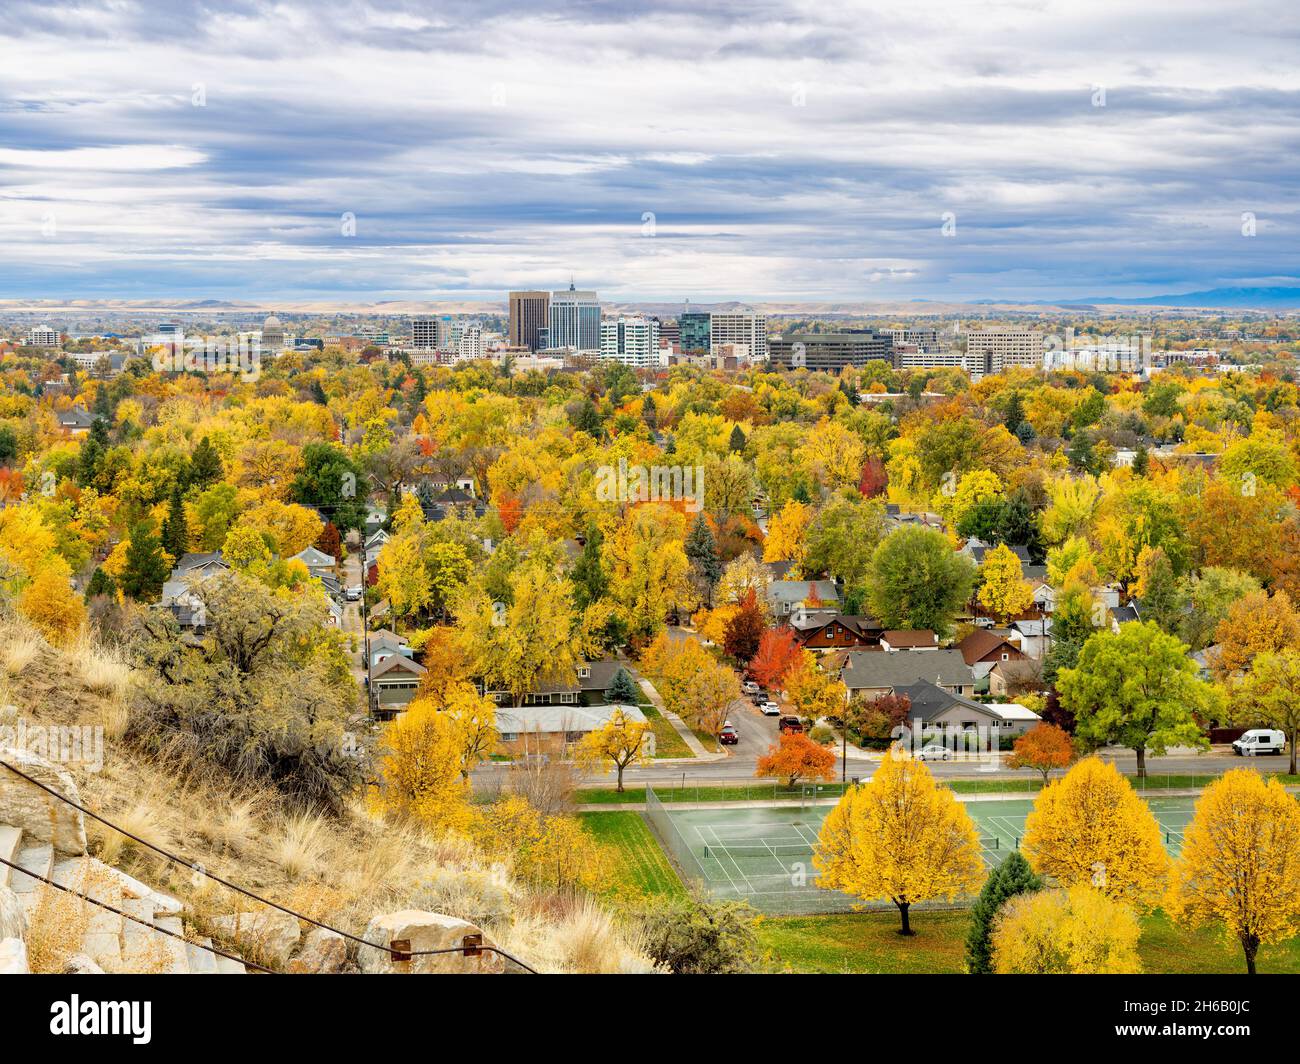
(650, 413)
(623, 691)
(737, 442)
(587, 419)
(205, 465)
(702, 552)
(145, 571)
(1141, 461)
(1013, 876)
(100, 584)
(175, 528)
(590, 580)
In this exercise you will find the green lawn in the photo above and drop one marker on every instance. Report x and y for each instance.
(639, 862)
(667, 742)
(869, 943)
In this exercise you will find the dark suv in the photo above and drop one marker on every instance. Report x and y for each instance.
(793, 725)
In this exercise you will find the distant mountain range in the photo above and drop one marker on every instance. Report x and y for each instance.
(1211, 299)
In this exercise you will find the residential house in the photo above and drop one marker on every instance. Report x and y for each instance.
(393, 683)
(984, 648)
(869, 674)
(1034, 636)
(375, 542)
(317, 561)
(552, 730)
(784, 597)
(1013, 676)
(936, 707)
(376, 518)
(76, 421)
(836, 631)
(384, 644)
(178, 590)
(908, 639)
(586, 685)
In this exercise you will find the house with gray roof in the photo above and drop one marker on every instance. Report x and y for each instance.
(869, 674)
(785, 597)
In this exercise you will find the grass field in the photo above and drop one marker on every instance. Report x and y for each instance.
(667, 742)
(869, 943)
(639, 862)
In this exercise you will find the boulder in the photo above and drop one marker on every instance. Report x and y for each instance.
(13, 957)
(13, 918)
(80, 964)
(271, 934)
(324, 952)
(424, 931)
(41, 815)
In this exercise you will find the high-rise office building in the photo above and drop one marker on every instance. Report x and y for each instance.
(469, 344)
(632, 340)
(831, 351)
(437, 334)
(529, 316)
(744, 334)
(43, 336)
(693, 328)
(993, 350)
(574, 320)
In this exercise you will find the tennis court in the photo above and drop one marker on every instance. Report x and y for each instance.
(764, 855)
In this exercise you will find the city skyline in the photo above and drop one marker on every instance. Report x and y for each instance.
(244, 150)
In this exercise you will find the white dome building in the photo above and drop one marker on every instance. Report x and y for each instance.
(272, 334)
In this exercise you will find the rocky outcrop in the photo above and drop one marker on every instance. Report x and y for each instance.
(324, 952)
(13, 918)
(424, 931)
(271, 934)
(38, 814)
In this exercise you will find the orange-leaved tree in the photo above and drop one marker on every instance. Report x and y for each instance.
(795, 757)
(1042, 748)
(901, 837)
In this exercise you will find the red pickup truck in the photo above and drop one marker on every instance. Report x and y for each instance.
(793, 725)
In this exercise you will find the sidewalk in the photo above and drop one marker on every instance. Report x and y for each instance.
(688, 736)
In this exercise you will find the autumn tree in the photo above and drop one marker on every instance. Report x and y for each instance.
(1042, 748)
(815, 692)
(1091, 827)
(1003, 589)
(778, 652)
(52, 606)
(918, 581)
(899, 837)
(785, 540)
(419, 767)
(744, 631)
(1137, 688)
(794, 756)
(1075, 931)
(1256, 623)
(1240, 863)
(1011, 877)
(620, 742)
(1269, 695)
(710, 694)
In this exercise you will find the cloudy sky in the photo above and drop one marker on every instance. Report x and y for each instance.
(759, 150)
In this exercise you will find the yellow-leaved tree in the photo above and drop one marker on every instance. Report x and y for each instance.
(1091, 827)
(620, 741)
(50, 604)
(421, 755)
(1003, 590)
(899, 837)
(1240, 863)
(1074, 931)
(787, 534)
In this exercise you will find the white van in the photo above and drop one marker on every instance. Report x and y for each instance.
(1259, 741)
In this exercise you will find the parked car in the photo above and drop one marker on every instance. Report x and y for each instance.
(728, 736)
(933, 752)
(769, 709)
(750, 687)
(790, 725)
(1259, 741)
(354, 593)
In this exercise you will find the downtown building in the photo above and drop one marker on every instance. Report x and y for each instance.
(995, 350)
(631, 339)
(42, 336)
(574, 321)
(530, 319)
(743, 335)
(831, 352)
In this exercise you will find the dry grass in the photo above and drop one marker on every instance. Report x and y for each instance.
(342, 871)
(303, 844)
(20, 645)
(61, 920)
(103, 670)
